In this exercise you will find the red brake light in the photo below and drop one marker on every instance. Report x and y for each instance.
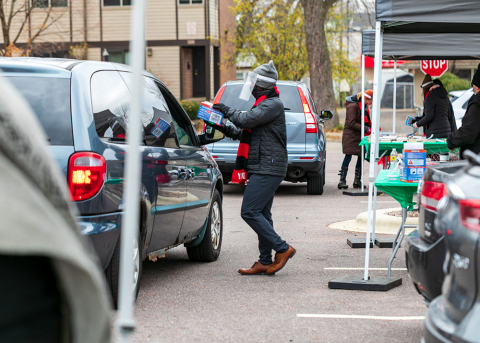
(470, 214)
(218, 97)
(86, 175)
(310, 122)
(432, 192)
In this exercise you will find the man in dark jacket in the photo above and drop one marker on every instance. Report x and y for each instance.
(467, 137)
(266, 168)
(438, 119)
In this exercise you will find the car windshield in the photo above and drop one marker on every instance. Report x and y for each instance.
(49, 98)
(288, 94)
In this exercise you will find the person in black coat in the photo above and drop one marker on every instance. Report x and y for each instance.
(438, 119)
(467, 137)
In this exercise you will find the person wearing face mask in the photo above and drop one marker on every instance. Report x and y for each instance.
(438, 119)
(262, 158)
(467, 137)
(352, 135)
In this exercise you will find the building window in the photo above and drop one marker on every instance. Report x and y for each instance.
(119, 57)
(117, 2)
(190, 2)
(49, 3)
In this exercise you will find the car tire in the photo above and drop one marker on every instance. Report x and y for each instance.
(209, 248)
(315, 183)
(112, 273)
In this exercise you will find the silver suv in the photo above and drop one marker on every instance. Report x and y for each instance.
(306, 140)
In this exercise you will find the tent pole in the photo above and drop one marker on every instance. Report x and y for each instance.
(126, 323)
(394, 95)
(363, 119)
(374, 136)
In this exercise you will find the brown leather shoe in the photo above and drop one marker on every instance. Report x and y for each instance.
(256, 269)
(281, 260)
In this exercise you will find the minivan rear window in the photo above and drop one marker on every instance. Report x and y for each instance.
(49, 98)
(288, 94)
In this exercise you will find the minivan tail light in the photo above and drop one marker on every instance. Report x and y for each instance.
(218, 97)
(86, 175)
(432, 192)
(470, 214)
(310, 122)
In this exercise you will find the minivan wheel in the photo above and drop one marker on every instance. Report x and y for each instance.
(209, 249)
(315, 183)
(112, 272)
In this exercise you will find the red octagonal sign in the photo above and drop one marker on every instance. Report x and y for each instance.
(435, 68)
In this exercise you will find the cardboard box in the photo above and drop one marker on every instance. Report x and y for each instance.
(415, 158)
(207, 113)
(413, 174)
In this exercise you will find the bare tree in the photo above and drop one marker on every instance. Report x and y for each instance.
(316, 14)
(320, 65)
(15, 16)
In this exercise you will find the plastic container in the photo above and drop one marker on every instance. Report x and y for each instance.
(393, 158)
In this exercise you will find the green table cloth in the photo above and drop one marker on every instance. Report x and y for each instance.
(401, 191)
(432, 147)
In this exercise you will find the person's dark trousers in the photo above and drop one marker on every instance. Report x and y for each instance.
(348, 158)
(256, 207)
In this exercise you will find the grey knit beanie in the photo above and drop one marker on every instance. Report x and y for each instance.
(268, 75)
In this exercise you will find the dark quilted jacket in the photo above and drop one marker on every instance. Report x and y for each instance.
(268, 146)
(439, 119)
(467, 137)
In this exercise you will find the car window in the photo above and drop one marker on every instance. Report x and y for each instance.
(111, 104)
(182, 124)
(49, 98)
(312, 103)
(288, 94)
(156, 118)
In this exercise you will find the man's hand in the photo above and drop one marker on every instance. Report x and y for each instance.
(216, 127)
(415, 125)
(222, 108)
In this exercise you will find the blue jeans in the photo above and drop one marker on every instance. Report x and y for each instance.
(256, 211)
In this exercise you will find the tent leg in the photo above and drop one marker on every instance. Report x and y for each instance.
(374, 136)
(357, 282)
(394, 95)
(363, 120)
(126, 323)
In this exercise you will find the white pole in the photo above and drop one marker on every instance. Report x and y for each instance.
(363, 117)
(394, 95)
(374, 136)
(126, 323)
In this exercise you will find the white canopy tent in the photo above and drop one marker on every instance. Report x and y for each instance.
(430, 20)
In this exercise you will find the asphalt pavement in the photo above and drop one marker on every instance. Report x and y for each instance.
(182, 301)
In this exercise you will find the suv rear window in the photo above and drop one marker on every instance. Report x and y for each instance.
(288, 94)
(49, 98)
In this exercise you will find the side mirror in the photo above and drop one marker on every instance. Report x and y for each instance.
(211, 135)
(326, 115)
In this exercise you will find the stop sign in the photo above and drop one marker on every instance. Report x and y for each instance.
(435, 68)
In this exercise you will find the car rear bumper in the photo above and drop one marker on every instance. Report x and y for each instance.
(439, 327)
(103, 231)
(425, 264)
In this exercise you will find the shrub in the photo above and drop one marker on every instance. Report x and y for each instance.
(191, 107)
(453, 83)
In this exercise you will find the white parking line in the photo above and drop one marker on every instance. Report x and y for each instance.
(348, 316)
(363, 268)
